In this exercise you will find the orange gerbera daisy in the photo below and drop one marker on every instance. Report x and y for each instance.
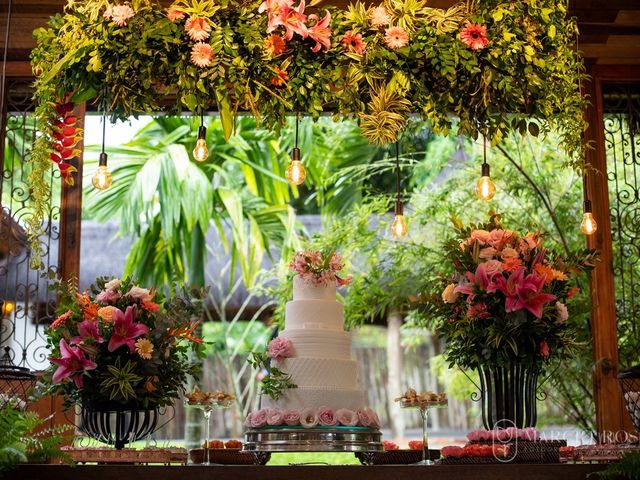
(202, 54)
(197, 28)
(281, 77)
(274, 45)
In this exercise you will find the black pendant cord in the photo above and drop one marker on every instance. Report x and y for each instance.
(104, 128)
(201, 116)
(398, 171)
(484, 150)
(297, 120)
(4, 58)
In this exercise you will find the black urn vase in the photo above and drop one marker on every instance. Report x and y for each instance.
(118, 427)
(508, 396)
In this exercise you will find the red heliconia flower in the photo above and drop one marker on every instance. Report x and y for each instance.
(69, 141)
(66, 171)
(68, 131)
(70, 120)
(55, 158)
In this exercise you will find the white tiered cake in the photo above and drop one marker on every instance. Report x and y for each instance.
(320, 365)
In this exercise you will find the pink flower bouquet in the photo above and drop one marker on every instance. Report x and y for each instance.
(319, 268)
(508, 299)
(121, 346)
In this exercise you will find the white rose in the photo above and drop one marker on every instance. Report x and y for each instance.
(449, 295)
(112, 285)
(562, 312)
(141, 294)
(308, 418)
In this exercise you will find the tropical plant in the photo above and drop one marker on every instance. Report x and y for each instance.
(122, 346)
(379, 63)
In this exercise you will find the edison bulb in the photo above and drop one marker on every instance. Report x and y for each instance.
(201, 152)
(102, 178)
(296, 173)
(485, 188)
(588, 225)
(399, 226)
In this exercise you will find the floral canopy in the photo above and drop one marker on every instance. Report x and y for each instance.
(495, 65)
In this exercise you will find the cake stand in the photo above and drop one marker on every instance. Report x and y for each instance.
(207, 407)
(318, 439)
(424, 408)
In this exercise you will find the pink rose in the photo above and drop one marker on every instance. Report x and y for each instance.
(279, 348)
(308, 418)
(510, 253)
(375, 420)
(259, 418)
(108, 296)
(364, 418)
(327, 417)
(487, 253)
(347, 417)
(291, 417)
(112, 284)
(274, 417)
(481, 236)
(493, 267)
(498, 238)
(452, 451)
(142, 294)
(247, 421)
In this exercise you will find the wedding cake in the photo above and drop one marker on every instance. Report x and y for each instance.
(312, 357)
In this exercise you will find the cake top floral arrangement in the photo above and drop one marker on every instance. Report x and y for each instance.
(122, 346)
(508, 299)
(319, 268)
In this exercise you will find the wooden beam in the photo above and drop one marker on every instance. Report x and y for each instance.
(611, 414)
(71, 215)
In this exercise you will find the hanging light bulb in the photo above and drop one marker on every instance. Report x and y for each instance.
(485, 188)
(296, 173)
(102, 179)
(399, 224)
(201, 152)
(589, 224)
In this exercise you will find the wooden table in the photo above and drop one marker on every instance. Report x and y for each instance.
(343, 472)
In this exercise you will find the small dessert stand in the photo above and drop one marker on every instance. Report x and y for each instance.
(208, 405)
(318, 439)
(424, 407)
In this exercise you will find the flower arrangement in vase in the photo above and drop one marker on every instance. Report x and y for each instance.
(119, 346)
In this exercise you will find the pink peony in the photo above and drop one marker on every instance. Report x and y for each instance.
(291, 417)
(364, 418)
(175, 13)
(197, 28)
(396, 37)
(274, 417)
(120, 14)
(474, 36)
(279, 348)
(379, 16)
(202, 54)
(108, 297)
(327, 417)
(320, 32)
(308, 418)
(259, 418)
(375, 420)
(353, 43)
(347, 417)
(247, 421)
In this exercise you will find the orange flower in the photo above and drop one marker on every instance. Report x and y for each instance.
(511, 264)
(151, 306)
(186, 332)
(61, 319)
(83, 299)
(281, 77)
(202, 54)
(197, 28)
(572, 292)
(149, 385)
(91, 311)
(175, 13)
(144, 348)
(545, 271)
(106, 313)
(274, 45)
(559, 275)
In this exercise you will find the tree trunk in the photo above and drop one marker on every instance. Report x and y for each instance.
(394, 385)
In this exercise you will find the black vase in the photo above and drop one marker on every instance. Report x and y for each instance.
(508, 396)
(118, 427)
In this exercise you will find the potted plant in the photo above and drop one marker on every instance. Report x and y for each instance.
(505, 313)
(120, 352)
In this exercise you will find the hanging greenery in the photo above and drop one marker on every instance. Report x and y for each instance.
(496, 65)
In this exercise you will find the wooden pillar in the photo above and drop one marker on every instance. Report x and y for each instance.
(611, 415)
(394, 368)
(71, 214)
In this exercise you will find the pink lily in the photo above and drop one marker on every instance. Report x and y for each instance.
(530, 296)
(320, 32)
(509, 288)
(293, 21)
(72, 364)
(480, 279)
(275, 10)
(125, 330)
(87, 329)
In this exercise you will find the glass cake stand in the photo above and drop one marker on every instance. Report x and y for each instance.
(424, 408)
(207, 407)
